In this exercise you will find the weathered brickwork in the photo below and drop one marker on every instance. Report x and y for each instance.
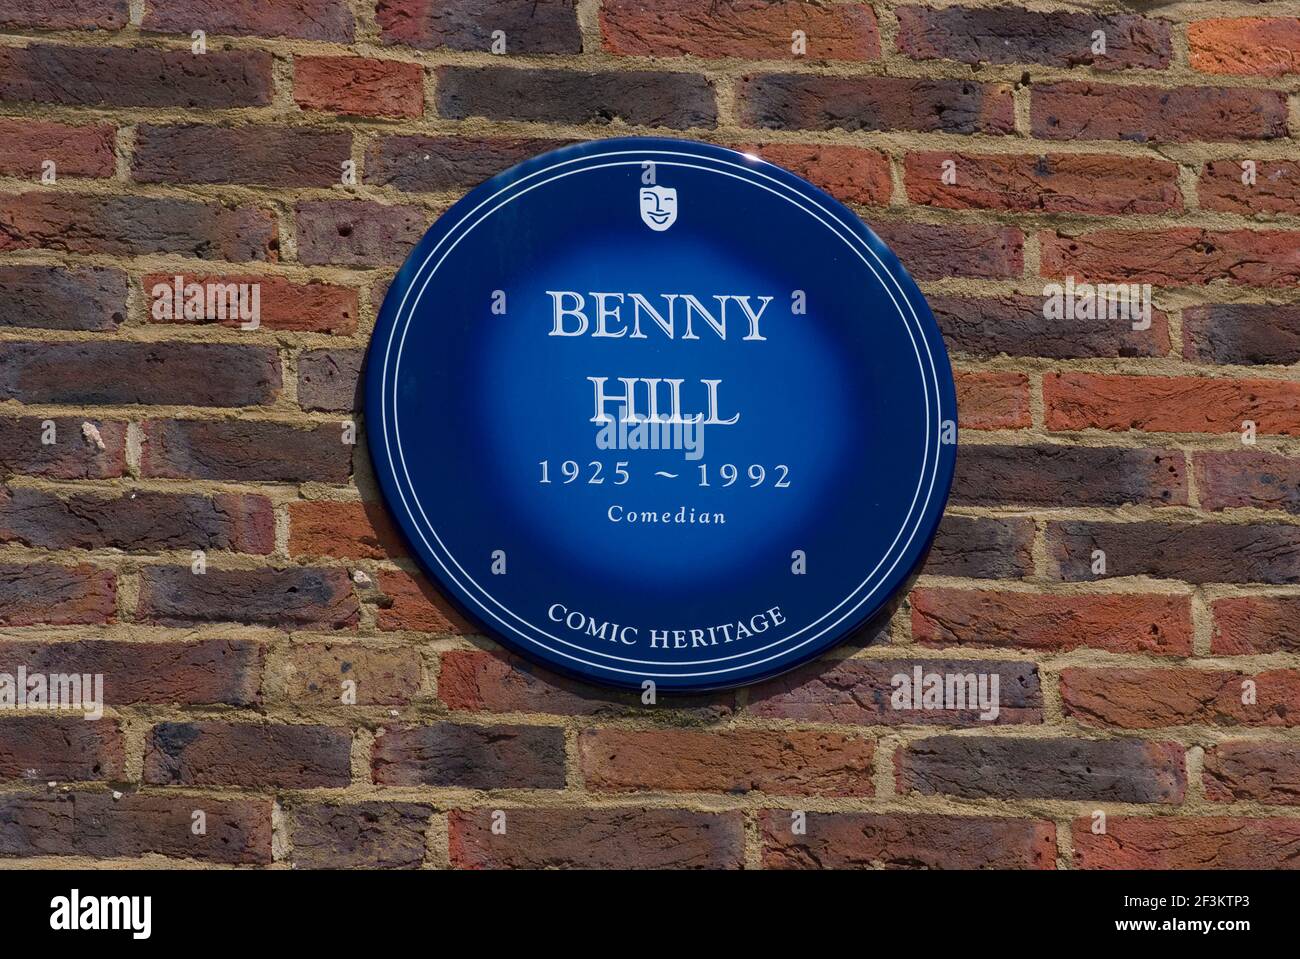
(1121, 549)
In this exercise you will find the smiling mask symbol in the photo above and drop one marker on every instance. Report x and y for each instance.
(659, 207)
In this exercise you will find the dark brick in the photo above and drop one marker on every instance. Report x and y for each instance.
(1196, 553)
(44, 748)
(191, 374)
(75, 453)
(99, 826)
(65, 14)
(874, 841)
(226, 671)
(597, 839)
(432, 164)
(860, 691)
(307, 19)
(1043, 475)
(1106, 111)
(530, 26)
(1015, 325)
(43, 593)
(1242, 333)
(982, 548)
(472, 757)
(292, 598)
(801, 101)
(368, 835)
(1111, 770)
(245, 450)
(248, 754)
(357, 232)
(137, 522)
(330, 380)
(1225, 480)
(62, 298)
(1013, 35)
(931, 251)
(1253, 772)
(638, 97)
(134, 225)
(135, 76)
(261, 154)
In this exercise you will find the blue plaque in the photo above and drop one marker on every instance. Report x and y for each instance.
(655, 410)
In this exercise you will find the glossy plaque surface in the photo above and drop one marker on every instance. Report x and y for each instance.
(657, 410)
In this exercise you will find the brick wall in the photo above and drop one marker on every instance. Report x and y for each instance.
(175, 436)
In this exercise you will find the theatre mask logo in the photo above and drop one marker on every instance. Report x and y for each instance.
(658, 207)
(674, 459)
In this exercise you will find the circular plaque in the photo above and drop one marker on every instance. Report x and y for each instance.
(655, 410)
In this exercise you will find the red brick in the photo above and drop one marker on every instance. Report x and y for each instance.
(1242, 333)
(1012, 35)
(62, 298)
(45, 594)
(1156, 624)
(1245, 625)
(247, 754)
(1249, 46)
(502, 683)
(25, 145)
(681, 101)
(472, 757)
(298, 597)
(1276, 188)
(368, 835)
(778, 762)
(850, 174)
(801, 101)
(134, 225)
(66, 749)
(383, 676)
(992, 401)
(932, 251)
(361, 86)
(137, 522)
(245, 450)
(135, 76)
(342, 530)
(582, 838)
(1051, 475)
(1202, 842)
(1014, 325)
(1184, 256)
(409, 602)
(102, 827)
(752, 29)
(1254, 772)
(65, 14)
(1107, 111)
(307, 19)
(74, 454)
(224, 671)
(357, 232)
(261, 155)
(312, 307)
(1051, 183)
(530, 26)
(1248, 478)
(1175, 404)
(193, 374)
(861, 691)
(876, 841)
(1152, 698)
(981, 767)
